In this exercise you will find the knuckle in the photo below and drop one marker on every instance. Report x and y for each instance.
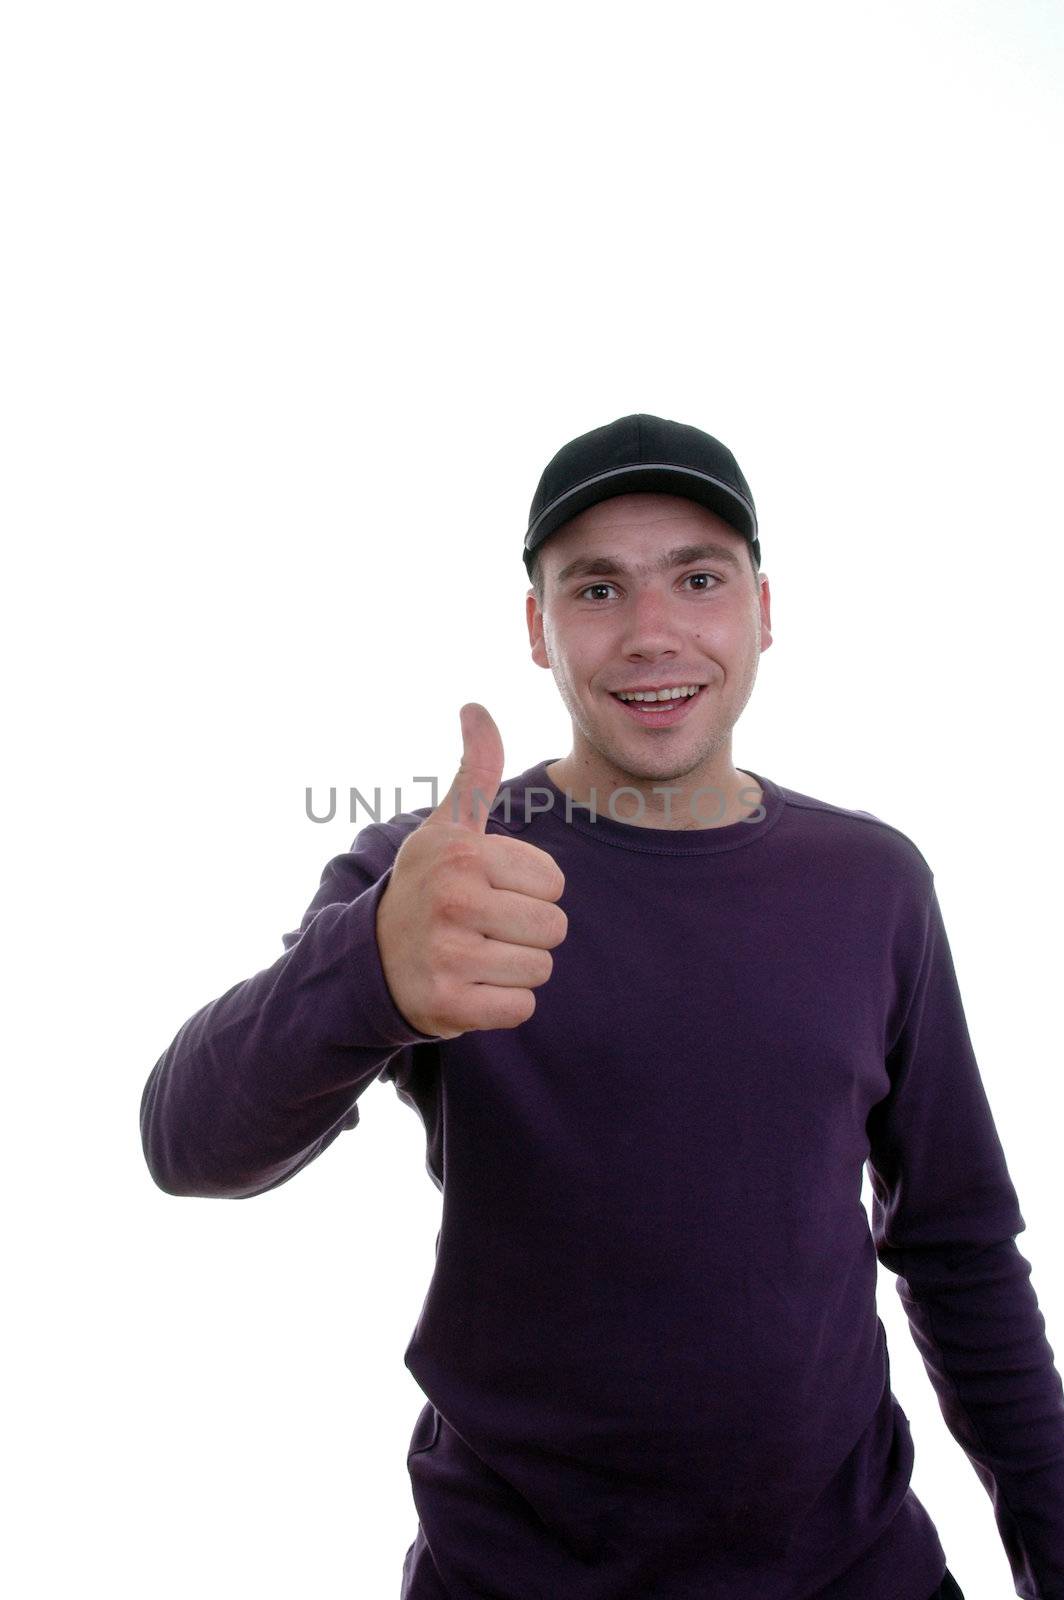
(545, 962)
(452, 899)
(466, 1014)
(446, 958)
(525, 1007)
(458, 849)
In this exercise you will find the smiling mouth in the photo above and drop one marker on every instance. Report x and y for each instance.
(658, 713)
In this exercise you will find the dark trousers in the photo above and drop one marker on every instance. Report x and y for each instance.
(948, 1589)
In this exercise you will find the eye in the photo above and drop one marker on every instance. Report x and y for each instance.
(715, 580)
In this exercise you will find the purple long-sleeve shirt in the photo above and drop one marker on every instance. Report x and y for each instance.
(650, 1344)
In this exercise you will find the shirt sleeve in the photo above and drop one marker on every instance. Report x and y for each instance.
(945, 1216)
(259, 1082)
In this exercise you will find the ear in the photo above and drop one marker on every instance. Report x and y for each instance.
(765, 605)
(534, 619)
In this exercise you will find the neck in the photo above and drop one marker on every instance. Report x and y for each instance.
(714, 795)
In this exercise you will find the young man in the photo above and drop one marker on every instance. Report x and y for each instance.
(656, 1013)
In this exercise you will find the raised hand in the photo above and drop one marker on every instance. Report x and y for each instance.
(468, 920)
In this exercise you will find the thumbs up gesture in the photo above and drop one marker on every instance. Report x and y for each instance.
(468, 920)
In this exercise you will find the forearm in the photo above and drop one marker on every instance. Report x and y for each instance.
(975, 1318)
(258, 1082)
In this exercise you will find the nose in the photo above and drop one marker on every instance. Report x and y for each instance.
(651, 626)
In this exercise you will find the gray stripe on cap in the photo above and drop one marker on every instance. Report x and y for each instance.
(641, 466)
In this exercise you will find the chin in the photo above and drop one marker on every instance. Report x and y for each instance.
(648, 766)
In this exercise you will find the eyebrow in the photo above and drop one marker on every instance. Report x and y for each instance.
(594, 566)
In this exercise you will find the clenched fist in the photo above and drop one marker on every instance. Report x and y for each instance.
(468, 920)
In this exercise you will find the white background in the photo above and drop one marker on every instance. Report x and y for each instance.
(299, 301)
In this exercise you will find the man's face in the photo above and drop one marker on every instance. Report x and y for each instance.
(620, 612)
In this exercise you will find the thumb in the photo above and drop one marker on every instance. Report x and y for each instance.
(476, 783)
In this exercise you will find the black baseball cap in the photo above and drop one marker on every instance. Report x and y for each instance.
(640, 454)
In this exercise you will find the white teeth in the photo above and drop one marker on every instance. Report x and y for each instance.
(662, 694)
